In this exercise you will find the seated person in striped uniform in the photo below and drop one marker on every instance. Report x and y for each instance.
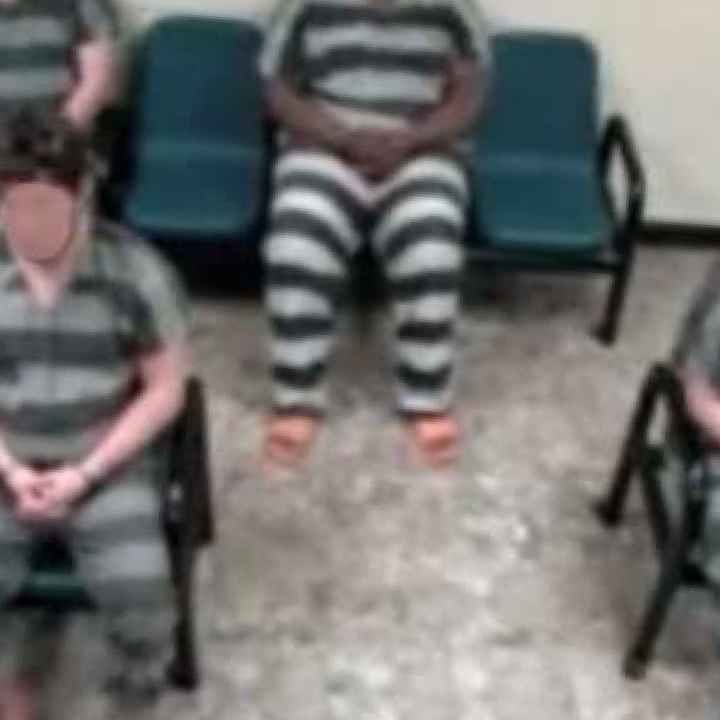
(697, 358)
(93, 363)
(59, 55)
(373, 99)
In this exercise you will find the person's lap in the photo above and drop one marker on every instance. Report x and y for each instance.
(117, 543)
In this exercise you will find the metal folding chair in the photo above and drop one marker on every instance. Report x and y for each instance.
(675, 535)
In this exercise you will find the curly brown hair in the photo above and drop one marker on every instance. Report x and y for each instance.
(37, 145)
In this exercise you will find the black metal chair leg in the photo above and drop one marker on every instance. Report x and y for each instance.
(640, 653)
(200, 504)
(206, 521)
(610, 509)
(184, 669)
(608, 330)
(185, 674)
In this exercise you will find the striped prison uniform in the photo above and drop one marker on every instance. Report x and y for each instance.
(38, 41)
(380, 66)
(65, 375)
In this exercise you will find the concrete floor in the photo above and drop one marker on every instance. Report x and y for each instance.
(370, 590)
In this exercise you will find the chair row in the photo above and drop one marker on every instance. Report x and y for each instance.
(193, 164)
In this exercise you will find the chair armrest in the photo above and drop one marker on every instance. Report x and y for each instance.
(668, 385)
(188, 462)
(618, 138)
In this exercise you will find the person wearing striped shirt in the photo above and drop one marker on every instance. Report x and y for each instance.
(374, 100)
(57, 55)
(696, 359)
(93, 362)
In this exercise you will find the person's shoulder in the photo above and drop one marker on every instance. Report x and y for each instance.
(702, 315)
(285, 12)
(467, 8)
(707, 295)
(467, 11)
(129, 256)
(116, 240)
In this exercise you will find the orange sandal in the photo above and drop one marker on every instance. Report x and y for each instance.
(435, 438)
(289, 438)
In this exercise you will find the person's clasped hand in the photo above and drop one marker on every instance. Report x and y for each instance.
(377, 154)
(45, 496)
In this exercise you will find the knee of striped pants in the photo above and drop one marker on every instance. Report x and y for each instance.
(302, 333)
(316, 220)
(425, 353)
(419, 238)
(303, 287)
(29, 642)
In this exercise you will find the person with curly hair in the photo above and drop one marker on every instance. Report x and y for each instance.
(93, 362)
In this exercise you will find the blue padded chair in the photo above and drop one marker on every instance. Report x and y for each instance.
(196, 153)
(542, 200)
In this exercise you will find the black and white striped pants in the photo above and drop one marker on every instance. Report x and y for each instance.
(322, 211)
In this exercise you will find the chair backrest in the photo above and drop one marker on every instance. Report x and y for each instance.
(543, 96)
(197, 82)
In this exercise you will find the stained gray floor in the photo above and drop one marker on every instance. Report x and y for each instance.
(367, 589)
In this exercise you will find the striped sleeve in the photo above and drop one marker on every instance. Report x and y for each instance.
(471, 32)
(95, 20)
(164, 316)
(281, 53)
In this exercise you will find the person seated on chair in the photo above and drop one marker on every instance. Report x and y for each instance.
(57, 55)
(374, 99)
(93, 364)
(696, 356)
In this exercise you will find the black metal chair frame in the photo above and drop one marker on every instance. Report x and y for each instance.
(618, 259)
(674, 540)
(188, 524)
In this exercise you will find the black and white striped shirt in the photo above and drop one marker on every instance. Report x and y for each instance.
(377, 64)
(38, 41)
(66, 372)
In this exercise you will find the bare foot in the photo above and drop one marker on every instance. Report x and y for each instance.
(16, 702)
(435, 438)
(289, 438)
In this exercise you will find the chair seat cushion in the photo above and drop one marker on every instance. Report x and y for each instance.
(197, 193)
(549, 207)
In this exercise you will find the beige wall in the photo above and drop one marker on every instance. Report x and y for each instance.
(660, 58)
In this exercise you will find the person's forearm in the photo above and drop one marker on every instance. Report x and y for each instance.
(96, 85)
(303, 117)
(457, 112)
(150, 413)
